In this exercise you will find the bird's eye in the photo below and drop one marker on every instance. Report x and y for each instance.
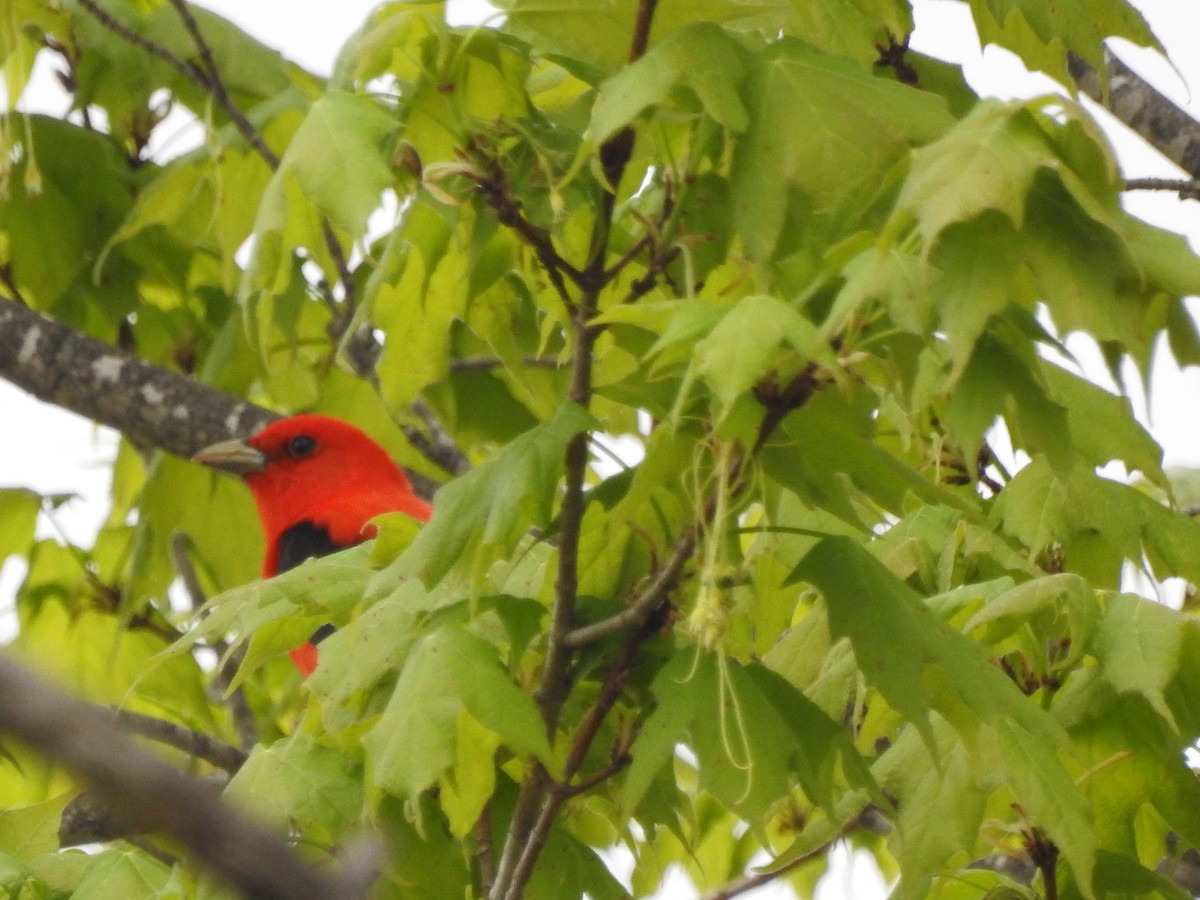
(301, 446)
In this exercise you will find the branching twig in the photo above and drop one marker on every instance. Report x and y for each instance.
(496, 192)
(152, 796)
(644, 604)
(558, 794)
(522, 846)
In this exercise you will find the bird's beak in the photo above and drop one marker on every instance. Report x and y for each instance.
(234, 457)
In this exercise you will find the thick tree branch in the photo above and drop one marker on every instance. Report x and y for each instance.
(151, 406)
(1154, 117)
(151, 796)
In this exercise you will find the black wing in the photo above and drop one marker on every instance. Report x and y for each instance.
(302, 541)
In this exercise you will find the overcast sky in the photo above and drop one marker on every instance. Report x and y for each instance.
(49, 450)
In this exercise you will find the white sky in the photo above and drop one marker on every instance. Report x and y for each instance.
(50, 450)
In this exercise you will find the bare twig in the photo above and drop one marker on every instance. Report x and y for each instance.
(496, 192)
(435, 443)
(151, 796)
(155, 49)
(1188, 189)
(211, 81)
(487, 363)
(194, 743)
(485, 853)
(558, 794)
(644, 604)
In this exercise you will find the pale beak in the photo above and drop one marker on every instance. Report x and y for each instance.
(234, 457)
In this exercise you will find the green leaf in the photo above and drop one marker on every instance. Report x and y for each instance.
(481, 516)
(752, 733)
(336, 165)
(1123, 437)
(1138, 644)
(670, 66)
(823, 133)
(276, 615)
(450, 670)
(901, 646)
(755, 338)
(1042, 34)
(940, 803)
(298, 783)
(130, 874)
(67, 192)
(19, 510)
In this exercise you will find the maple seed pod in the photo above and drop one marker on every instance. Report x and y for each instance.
(709, 620)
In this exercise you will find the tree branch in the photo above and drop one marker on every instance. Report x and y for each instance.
(151, 406)
(212, 83)
(1187, 189)
(644, 604)
(151, 796)
(194, 743)
(1154, 117)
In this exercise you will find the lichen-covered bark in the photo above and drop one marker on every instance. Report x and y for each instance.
(151, 406)
(1161, 123)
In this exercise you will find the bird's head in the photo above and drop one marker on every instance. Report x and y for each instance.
(313, 468)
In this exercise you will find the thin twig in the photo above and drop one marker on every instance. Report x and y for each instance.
(155, 49)
(235, 701)
(558, 794)
(435, 443)
(646, 602)
(214, 84)
(194, 743)
(485, 851)
(488, 363)
(1187, 188)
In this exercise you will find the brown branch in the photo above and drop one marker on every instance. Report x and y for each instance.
(152, 796)
(1188, 189)
(644, 604)
(1044, 854)
(493, 186)
(155, 49)
(518, 856)
(194, 743)
(435, 444)
(559, 793)
(212, 83)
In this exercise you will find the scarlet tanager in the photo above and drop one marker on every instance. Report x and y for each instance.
(317, 481)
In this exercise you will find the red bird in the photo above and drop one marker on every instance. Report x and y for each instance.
(316, 481)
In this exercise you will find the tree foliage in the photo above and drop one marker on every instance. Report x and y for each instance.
(809, 269)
